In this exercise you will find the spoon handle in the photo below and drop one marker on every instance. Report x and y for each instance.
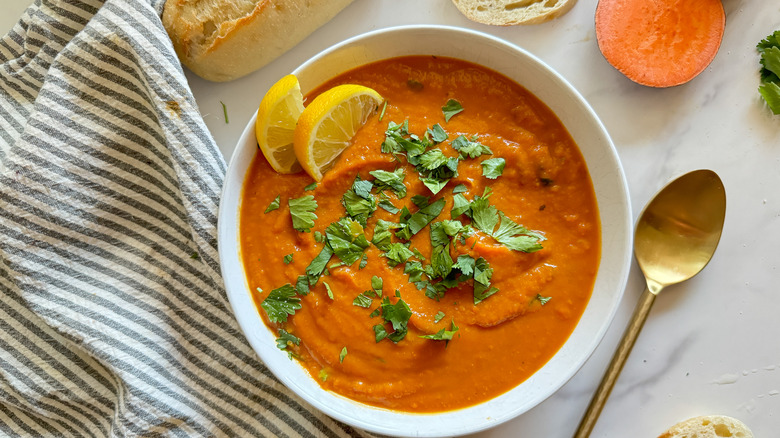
(616, 365)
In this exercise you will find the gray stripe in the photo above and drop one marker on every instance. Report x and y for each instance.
(19, 424)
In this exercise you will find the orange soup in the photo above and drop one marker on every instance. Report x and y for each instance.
(455, 245)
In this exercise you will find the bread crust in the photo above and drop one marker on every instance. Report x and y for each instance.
(222, 40)
(710, 426)
(513, 12)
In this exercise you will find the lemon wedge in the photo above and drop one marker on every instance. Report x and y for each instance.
(327, 125)
(276, 117)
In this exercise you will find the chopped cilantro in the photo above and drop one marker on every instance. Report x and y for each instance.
(422, 217)
(443, 335)
(194, 256)
(363, 261)
(347, 240)
(441, 261)
(470, 148)
(311, 186)
(482, 275)
(512, 235)
(542, 300)
(302, 285)
(318, 237)
(343, 354)
(288, 259)
(388, 206)
(274, 205)
(382, 236)
(438, 317)
(382, 114)
(376, 284)
(302, 211)
(397, 253)
(437, 133)
(492, 168)
(280, 303)
(397, 315)
(328, 290)
(317, 266)
(358, 200)
(769, 49)
(421, 201)
(460, 188)
(323, 375)
(363, 300)
(451, 108)
(460, 205)
(379, 332)
(286, 340)
(224, 112)
(390, 180)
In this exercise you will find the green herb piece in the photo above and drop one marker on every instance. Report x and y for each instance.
(414, 85)
(382, 235)
(362, 300)
(280, 303)
(317, 266)
(376, 284)
(194, 256)
(328, 290)
(397, 315)
(512, 235)
(769, 49)
(422, 217)
(224, 112)
(311, 186)
(482, 275)
(288, 259)
(388, 206)
(492, 168)
(347, 240)
(302, 285)
(441, 261)
(382, 113)
(469, 148)
(460, 205)
(363, 261)
(465, 264)
(380, 332)
(323, 375)
(302, 211)
(451, 108)
(542, 300)
(390, 180)
(421, 201)
(443, 335)
(287, 340)
(397, 253)
(342, 355)
(274, 205)
(318, 237)
(460, 188)
(438, 317)
(437, 133)
(436, 169)
(358, 200)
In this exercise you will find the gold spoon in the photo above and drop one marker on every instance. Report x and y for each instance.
(675, 238)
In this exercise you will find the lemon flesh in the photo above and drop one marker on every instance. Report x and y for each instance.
(277, 115)
(327, 125)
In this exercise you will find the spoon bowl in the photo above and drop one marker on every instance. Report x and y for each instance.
(675, 238)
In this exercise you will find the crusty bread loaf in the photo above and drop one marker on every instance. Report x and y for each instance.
(511, 12)
(221, 40)
(712, 426)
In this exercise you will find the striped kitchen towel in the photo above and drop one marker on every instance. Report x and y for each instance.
(113, 316)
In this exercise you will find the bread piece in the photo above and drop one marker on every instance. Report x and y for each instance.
(712, 426)
(510, 12)
(221, 40)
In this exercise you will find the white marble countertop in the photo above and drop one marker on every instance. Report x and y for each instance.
(710, 346)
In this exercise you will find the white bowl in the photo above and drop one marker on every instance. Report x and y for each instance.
(611, 192)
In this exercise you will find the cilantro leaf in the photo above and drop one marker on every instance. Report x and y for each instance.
(302, 285)
(397, 315)
(517, 237)
(434, 184)
(451, 108)
(358, 200)
(441, 261)
(376, 285)
(311, 186)
(465, 264)
(432, 159)
(280, 303)
(437, 133)
(382, 236)
(347, 240)
(302, 211)
(438, 317)
(343, 354)
(443, 335)
(769, 49)
(380, 332)
(362, 300)
(771, 94)
(388, 206)
(468, 148)
(460, 205)
(288, 259)
(422, 217)
(390, 180)
(328, 290)
(460, 188)
(397, 253)
(492, 168)
(482, 275)
(274, 205)
(285, 340)
(542, 300)
(318, 264)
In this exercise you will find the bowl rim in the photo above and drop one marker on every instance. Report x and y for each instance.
(328, 402)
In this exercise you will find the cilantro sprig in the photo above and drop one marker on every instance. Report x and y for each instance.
(769, 49)
(302, 212)
(280, 303)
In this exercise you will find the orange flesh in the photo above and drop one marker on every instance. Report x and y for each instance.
(660, 43)
(501, 341)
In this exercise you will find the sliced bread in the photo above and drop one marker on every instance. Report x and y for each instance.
(221, 40)
(711, 426)
(511, 12)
